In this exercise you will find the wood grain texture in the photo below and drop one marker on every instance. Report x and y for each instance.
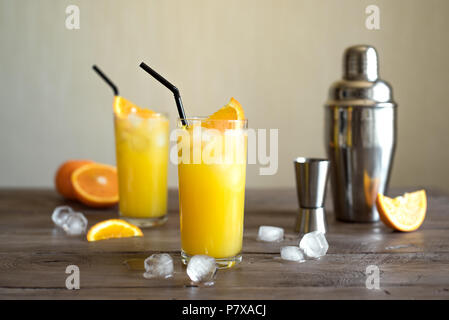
(34, 255)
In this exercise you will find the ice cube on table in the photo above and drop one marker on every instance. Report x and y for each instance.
(314, 244)
(292, 253)
(60, 214)
(158, 265)
(75, 224)
(270, 234)
(201, 268)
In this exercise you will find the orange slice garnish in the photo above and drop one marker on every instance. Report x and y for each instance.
(123, 108)
(113, 228)
(404, 213)
(232, 111)
(96, 184)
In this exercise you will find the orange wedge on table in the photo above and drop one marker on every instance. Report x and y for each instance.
(113, 228)
(404, 213)
(123, 108)
(96, 184)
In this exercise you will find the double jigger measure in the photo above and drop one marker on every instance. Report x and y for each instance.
(311, 181)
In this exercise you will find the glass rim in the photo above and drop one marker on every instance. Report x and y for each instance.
(303, 160)
(159, 116)
(204, 118)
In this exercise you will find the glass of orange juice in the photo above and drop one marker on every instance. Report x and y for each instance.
(212, 171)
(141, 140)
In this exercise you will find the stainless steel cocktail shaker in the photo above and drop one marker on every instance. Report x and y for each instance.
(360, 136)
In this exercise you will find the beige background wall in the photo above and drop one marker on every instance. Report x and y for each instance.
(277, 58)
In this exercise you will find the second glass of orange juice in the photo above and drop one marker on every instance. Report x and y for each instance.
(212, 172)
(141, 138)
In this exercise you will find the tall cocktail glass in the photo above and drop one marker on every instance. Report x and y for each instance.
(141, 141)
(212, 170)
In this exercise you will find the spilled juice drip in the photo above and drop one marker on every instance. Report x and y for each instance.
(135, 264)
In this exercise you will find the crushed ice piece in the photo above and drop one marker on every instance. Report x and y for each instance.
(314, 244)
(161, 140)
(158, 265)
(75, 224)
(292, 253)
(134, 119)
(201, 268)
(270, 234)
(60, 214)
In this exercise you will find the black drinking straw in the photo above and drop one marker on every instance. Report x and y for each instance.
(106, 79)
(170, 87)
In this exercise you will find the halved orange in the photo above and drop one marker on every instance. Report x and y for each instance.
(63, 183)
(404, 213)
(96, 184)
(113, 228)
(124, 107)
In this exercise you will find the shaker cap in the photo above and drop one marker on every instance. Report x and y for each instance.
(360, 63)
(361, 84)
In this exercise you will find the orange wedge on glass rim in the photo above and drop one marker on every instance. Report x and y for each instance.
(405, 213)
(96, 184)
(232, 111)
(124, 107)
(113, 229)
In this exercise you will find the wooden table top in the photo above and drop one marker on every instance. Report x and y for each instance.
(34, 255)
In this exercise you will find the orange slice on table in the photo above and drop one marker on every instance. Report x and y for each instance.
(404, 213)
(123, 107)
(113, 228)
(232, 111)
(96, 184)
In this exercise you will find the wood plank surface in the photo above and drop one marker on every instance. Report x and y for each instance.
(34, 255)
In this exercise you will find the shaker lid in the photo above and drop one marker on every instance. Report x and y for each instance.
(361, 84)
(360, 63)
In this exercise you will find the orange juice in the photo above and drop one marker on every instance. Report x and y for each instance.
(142, 160)
(212, 193)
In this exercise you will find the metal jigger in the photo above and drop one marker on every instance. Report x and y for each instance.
(311, 180)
